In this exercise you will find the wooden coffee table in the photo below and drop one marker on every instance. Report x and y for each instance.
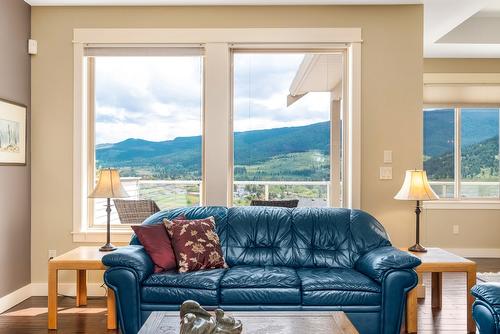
(264, 322)
(438, 261)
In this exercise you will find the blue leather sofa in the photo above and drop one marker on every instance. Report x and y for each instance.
(311, 259)
(486, 308)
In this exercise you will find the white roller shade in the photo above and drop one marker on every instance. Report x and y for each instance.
(462, 89)
(142, 50)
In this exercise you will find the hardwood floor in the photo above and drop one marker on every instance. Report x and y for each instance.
(452, 316)
(30, 317)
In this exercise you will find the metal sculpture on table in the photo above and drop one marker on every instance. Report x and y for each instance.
(196, 320)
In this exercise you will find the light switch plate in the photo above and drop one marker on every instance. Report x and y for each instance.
(387, 157)
(385, 173)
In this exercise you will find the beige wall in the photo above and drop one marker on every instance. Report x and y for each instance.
(478, 229)
(391, 84)
(14, 180)
(460, 65)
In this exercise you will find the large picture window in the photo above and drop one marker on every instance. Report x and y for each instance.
(282, 108)
(176, 111)
(146, 114)
(461, 152)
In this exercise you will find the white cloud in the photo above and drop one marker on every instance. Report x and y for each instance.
(151, 98)
(153, 129)
(157, 99)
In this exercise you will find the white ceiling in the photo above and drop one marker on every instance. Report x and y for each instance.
(452, 28)
(462, 28)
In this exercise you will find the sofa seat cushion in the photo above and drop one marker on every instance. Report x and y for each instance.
(176, 296)
(337, 286)
(203, 279)
(260, 285)
(260, 296)
(260, 277)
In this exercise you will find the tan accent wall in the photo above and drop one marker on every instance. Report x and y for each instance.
(391, 99)
(477, 228)
(14, 180)
(461, 65)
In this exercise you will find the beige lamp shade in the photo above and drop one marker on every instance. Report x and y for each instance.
(109, 185)
(416, 187)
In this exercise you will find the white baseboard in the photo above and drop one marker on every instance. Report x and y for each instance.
(68, 289)
(476, 252)
(41, 289)
(15, 297)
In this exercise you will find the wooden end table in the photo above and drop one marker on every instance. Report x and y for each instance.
(438, 261)
(258, 322)
(80, 259)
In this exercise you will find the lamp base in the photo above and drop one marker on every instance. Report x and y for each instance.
(417, 248)
(107, 248)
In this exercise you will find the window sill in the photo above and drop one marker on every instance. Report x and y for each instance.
(462, 205)
(99, 235)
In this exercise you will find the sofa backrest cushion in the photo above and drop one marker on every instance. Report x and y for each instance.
(298, 237)
(323, 237)
(259, 236)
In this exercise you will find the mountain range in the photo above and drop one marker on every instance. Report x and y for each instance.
(479, 144)
(181, 157)
(301, 153)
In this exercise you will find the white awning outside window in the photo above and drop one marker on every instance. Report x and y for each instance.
(316, 73)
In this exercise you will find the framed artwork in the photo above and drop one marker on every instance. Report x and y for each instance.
(12, 133)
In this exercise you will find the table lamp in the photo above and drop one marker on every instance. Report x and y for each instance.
(416, 188)
(108, 186)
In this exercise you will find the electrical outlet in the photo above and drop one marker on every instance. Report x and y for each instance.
(52, 253)
(456, 229)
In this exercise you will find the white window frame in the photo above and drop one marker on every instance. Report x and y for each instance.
(217, 119)
(177, 50)
(458, 202)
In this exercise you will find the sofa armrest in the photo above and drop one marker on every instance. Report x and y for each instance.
(133, 257)
(487, 292)
(376, 263)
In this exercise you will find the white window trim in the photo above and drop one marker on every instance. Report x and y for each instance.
(457, 202)
(217, 134)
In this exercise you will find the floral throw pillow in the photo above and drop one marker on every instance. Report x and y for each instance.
(196, 244)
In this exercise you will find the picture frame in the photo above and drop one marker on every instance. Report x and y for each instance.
(13, 133)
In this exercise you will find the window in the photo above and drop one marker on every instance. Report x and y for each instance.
(282, 108)
(146, 117)
(461, 152)
(193, 109)
(439, 150)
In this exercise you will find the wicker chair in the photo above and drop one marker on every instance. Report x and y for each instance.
(289, 203)
(135, 211)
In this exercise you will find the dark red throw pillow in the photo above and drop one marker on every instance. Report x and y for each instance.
(157, 244)
(196, 244)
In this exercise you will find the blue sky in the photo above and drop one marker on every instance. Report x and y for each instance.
(159, 98)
